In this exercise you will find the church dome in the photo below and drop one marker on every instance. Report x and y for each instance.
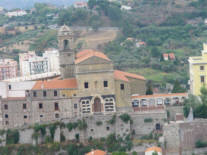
(65, 30)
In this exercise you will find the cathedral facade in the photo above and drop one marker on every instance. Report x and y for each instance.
(88, 85)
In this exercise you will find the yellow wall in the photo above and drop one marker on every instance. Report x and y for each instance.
(69, 93)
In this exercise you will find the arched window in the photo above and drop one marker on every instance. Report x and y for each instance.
(66, 44)
(56, 115)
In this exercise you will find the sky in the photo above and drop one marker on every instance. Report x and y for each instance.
(24, 4)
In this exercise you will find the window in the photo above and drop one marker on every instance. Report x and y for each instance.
(105, 83)
(44, 93)
(75, 106)
(9, 87)
(107, 128)
(34, 94)
(202, 79)
(7, 122)
(55, 93)
(56, 106)
(25, 117)
(6, 116)
(41, 116)
(86, 85)
(56, 115)
(74, 94)
(66, 44)
(91, 130)
(63, 95)
(201, 68)
(5, 106)
(40, 106)
(122, 86)
(24, 106)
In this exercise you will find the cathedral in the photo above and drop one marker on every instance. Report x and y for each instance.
(88, 85)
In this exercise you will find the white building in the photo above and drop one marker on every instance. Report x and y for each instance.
(125, 7)
(1, 9)
(31, 64)
(53, 56)
(80, 5)
(35, 65)
(16, 13)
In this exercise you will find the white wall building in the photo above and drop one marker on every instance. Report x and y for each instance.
(15, 89)
(35, 65)
(125, 7)
(53, 58)
(16, 13)
(31, 64)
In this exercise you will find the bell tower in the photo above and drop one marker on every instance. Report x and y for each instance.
(66, 52)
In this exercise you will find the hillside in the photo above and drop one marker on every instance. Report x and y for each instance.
(10, 4)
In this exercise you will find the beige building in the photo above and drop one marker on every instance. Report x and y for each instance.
(8, 69)
(88, 85)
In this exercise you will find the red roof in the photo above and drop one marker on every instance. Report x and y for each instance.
(154, 148)
(59, 84)
(165, 55)
(123, 76)
(81, 3)
(96, 152)
(86, 54)
(171, 55)
(142, 43)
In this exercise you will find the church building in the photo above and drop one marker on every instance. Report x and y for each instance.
(88, 85)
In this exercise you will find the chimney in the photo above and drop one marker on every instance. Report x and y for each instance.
(42, 86)
(92, 152)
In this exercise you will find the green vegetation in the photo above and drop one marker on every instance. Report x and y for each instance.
(200, 143)
(149, 90)
(125, 117)
(12, 137)
(177, 88)
(99, 123)
(113, 120)
(148, 120)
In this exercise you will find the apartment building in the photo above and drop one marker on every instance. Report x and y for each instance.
(8, 68)
(197, 69)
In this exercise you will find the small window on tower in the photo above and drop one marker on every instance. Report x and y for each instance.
(55, 93)
(105, 83)
(122, 86)
(24, 106)
(66, 44)
(86, 85)
(5, 106)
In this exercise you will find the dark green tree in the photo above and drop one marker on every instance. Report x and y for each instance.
(92, 3)
(177, 88)
(155, 52)
(155, 153)
(161, 57)
(149, 90)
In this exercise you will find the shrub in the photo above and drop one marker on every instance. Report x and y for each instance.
(62, 137)
(12, 137)
(125, 118)
(102, 139)
(52, 130)
(77, 136)
(69, 126)
(134, 153)
(148, 120)
(133, 132)
(2, 132)
(48, 139)
(200, 143)
(99, 123)
(90, 139)
(113, 120)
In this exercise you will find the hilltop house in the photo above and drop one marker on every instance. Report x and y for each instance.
(169, 56)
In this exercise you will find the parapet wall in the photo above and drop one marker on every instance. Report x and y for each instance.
(95, 130)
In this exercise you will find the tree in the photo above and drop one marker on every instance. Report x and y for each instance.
(155, 153)
(203, 95)
(92, 3)
(177, 88)
(161, 57)
(155, 52)
(149, 90)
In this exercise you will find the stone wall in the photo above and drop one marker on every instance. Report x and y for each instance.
(120, 128)
(173, 110)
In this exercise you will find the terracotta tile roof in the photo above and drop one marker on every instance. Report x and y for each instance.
(123, 76)
(96, 152)
(57, 78)
(165, 55)
(154, 148)
(171, 55)
(59, 84)
(142, 43)
(84, 55)
(160, 95)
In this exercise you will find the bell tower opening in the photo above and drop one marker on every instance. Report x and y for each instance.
(66, 44)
